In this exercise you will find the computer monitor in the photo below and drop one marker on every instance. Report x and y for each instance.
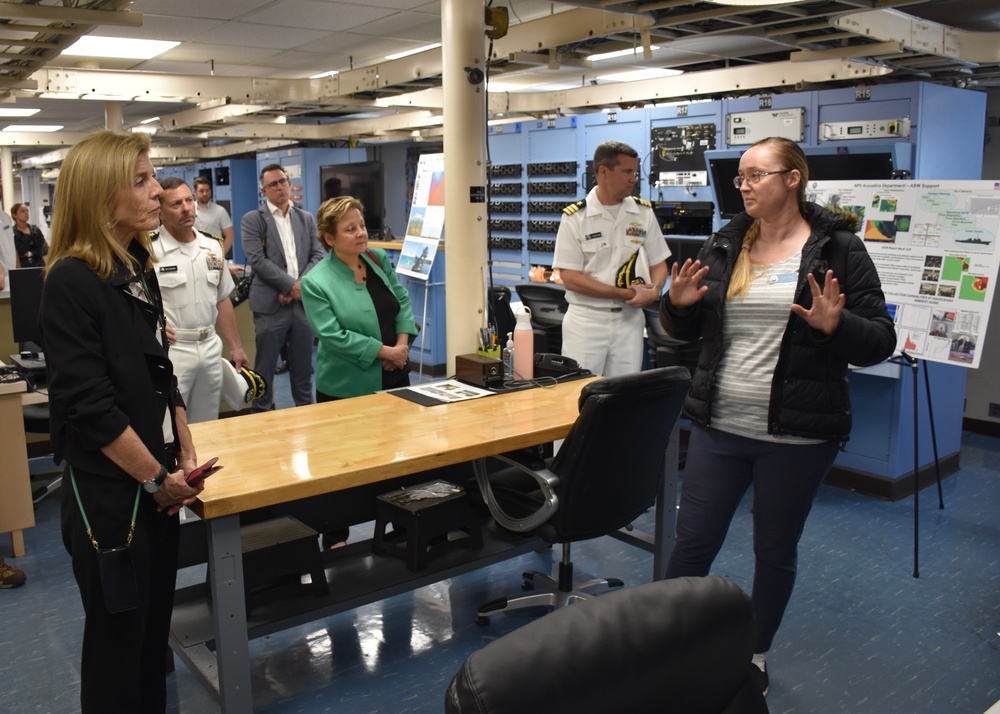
(824, 165)
(363, 181)
(25, 300)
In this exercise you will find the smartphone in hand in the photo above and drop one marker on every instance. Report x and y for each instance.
(202, 472)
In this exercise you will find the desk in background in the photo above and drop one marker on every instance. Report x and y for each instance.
(282, 456)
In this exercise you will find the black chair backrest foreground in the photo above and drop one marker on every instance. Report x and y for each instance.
(680, 645)
(608, 468)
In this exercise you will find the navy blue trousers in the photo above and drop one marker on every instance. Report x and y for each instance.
(720, 468)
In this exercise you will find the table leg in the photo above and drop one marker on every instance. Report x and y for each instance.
(17, 543)
(229, 615)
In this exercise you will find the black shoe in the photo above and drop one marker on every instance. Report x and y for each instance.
(760, 676)
(282, 368)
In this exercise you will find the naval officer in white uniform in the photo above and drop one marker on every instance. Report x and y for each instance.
(195, 284)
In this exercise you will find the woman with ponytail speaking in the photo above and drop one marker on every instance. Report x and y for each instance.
(782, 298)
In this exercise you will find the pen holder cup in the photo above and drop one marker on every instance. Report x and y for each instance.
(494, 353)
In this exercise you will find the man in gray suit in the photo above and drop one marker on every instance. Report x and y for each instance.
(280, 242)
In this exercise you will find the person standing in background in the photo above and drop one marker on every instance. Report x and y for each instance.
(212, 218)
(116, 418)
(783, 298)
(279, 240)
(190, 267)
(28, 239)
(357, 308)
(603, 248)
(8, 253)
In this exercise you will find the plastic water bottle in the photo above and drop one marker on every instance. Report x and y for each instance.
(524, 346)
(508, 357)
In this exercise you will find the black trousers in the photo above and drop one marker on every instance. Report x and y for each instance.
(123, 664)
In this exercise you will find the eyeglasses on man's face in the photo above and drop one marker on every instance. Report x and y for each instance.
(754, 177)
(275, 184)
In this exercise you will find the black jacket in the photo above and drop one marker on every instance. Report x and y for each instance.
(809, 393)
(108, 368)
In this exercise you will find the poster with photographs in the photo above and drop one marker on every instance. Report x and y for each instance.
(934, 244)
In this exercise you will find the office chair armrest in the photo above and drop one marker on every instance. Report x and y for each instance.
(547, 482)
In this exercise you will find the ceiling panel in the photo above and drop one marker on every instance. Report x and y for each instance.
(316, 14)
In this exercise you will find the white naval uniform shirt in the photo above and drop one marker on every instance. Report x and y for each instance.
(193, 278)
(596, 243)
(212, 219)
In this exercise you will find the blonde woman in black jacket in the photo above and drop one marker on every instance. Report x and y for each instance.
(782, 298)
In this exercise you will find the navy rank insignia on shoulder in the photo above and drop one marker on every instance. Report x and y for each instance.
(643, 202)
(574, 207)
(215, 237)
(155, 235)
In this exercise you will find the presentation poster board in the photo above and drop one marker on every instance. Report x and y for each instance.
(417, 257)
(427, 210)
(934, 244)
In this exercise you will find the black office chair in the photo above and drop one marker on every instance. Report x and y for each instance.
(680, 645)
(548, 307)
(501, 315)
(606, 474)
(664, 350)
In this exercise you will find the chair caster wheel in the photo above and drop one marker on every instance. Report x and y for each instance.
(482, 620)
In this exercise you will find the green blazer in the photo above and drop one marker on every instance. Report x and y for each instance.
(343, 317)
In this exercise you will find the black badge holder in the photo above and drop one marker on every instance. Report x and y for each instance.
(121, 593)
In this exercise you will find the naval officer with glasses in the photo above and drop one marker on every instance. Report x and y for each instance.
(279, 240)
(612, 258)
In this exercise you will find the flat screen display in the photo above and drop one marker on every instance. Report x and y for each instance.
(363, 181)
(822, 167)
(25, 299)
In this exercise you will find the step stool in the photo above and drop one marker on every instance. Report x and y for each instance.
(277, 552)
(420, 527)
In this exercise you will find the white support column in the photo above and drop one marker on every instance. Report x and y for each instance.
(463, 27)
(7, 178)
(113, 116)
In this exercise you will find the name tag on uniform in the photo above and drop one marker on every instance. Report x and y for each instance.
(168, 268)
(214, 262)
(591, 236)
(775, 278)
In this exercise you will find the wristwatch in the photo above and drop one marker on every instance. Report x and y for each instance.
(153, 484)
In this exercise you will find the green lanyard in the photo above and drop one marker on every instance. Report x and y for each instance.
(90, 533)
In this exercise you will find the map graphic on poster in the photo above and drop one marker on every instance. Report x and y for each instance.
(425, 227)
(934, 244)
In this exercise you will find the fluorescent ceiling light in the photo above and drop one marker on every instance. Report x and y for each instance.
(407, 53)
(619, 53)
(325, 74)
(119, 47)
(38, 128)
(504, 87)
(15, 112)
(638, 74)
(150, 120)
(144, 130)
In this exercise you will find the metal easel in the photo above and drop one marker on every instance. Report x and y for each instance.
(904, 359)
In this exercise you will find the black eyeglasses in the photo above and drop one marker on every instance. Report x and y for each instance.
(275, 184)
(755, 176)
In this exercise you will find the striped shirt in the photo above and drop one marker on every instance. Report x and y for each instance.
(754, 326)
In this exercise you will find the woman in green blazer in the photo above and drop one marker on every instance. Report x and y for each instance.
(357, 308)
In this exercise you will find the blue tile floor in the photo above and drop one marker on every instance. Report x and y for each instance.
(860, 634)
